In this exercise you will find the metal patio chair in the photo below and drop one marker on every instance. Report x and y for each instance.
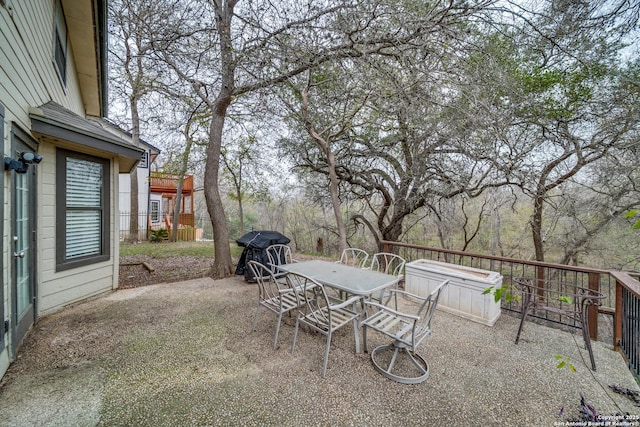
(321, 313)
(354, 257)
(279, 254)
(399, 360)
(273, 295)
(388, 263)
(559, 302)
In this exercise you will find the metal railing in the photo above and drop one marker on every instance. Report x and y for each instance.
(512, 267)
(125, 226)
(626, 330)
(621, 290)
(186, 228)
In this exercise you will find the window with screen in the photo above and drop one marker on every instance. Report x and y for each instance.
(82, 209)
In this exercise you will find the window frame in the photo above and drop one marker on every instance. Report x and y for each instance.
(59, 20)
(62, 263)
(144, 161)
(155, 203)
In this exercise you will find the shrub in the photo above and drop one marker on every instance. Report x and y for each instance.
(159, 235)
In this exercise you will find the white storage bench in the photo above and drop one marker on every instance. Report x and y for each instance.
(463, 296)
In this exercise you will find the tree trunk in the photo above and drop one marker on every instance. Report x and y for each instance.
(177, 204)
(495, 239)
(241, 212)
(135, 209)
(335, 200)
(392, 232)
(324, 144)
(222, 263)
(536, 227)
(133, 176)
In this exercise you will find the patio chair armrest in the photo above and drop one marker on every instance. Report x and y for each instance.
(273, 268)
(407, 294)
(375, 304)
(392, 311)
(346, 303)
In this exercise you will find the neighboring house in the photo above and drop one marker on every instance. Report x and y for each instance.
(60, 181)
(143, 172)
(164, 189)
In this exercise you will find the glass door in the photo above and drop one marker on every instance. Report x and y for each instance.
(23, 254)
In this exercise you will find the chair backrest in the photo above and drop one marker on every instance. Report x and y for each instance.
(426, 312)
(279, 254)
(268, 286)
(312, 297)
(388, 263)
(354, 256)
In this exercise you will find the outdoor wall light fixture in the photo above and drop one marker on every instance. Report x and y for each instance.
(30, 157)
(21, 165)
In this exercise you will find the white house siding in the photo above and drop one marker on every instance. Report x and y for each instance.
(125, 198)
(28, 78)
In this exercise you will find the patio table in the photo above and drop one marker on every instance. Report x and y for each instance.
(352, 280)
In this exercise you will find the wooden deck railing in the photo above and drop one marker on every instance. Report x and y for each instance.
(186, 226)
(167, 183)
(621, 290)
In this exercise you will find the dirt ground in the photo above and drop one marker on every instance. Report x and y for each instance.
(143, 270)
(133, 274)
(134, 271)
(185, 354)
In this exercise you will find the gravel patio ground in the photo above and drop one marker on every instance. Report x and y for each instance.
(183, 354)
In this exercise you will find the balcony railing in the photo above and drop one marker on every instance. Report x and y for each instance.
(622, 291)
(626, 330)
(167, 183)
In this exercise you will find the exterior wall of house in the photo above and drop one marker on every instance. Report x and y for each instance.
(143, 198)
(143, 192)
(4, 295)
(28, 78)
(58, 289)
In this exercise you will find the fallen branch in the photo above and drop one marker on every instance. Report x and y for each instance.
(146, 265)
